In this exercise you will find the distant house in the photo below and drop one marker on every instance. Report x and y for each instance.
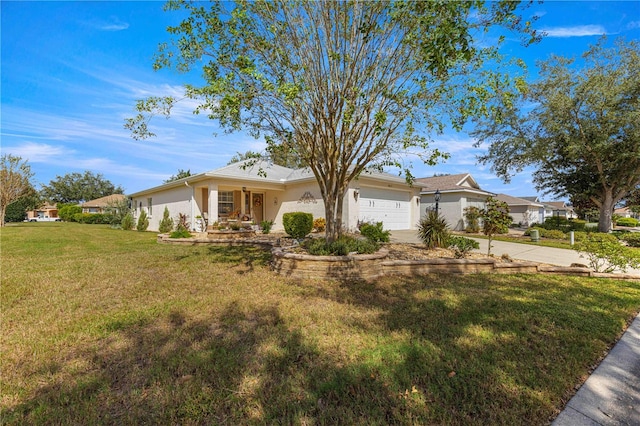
(100, 205)
(457, 192)
(237, 192)
(626, 212)
(558, 208)
(523, 211)
(46, 211)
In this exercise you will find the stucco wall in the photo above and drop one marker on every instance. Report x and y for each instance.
(177, 200)
(304, 197)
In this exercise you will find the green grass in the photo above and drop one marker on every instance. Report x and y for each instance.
(101, 326)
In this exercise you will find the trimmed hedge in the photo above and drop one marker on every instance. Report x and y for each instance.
(627, 221)
(297, 224)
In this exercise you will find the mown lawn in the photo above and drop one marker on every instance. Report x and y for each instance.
(102, 326)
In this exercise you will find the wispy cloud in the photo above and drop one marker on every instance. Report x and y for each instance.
(574, 31)
(38, 152)
(111, 24)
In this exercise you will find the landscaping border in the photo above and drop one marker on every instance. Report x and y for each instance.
(369, 267)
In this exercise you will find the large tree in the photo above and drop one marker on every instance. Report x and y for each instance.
(79, 187)
(344, 85)
(15, 181)
(180, 175)
(579, 125)
(17, 211)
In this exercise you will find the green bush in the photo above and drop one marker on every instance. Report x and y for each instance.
(577, 225)
(375, 233)
(297, 224)
(68, 212)
(461, 246)
(606, 254)
(553, 234)
(166, 224)
(180, 233)
(266, 226)
(632, 239)
(143, 221)
(433, 230)
(127, 222)
(340, 247)
(472, 215)
(627, 221)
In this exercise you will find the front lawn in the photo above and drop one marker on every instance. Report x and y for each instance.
(102, 326)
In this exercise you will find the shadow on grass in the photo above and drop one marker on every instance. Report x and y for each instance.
(464, 350)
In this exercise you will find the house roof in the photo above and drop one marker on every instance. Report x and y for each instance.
(261, 171)
(558, 205)
(105, 201)
(516, 201)
(450, 183)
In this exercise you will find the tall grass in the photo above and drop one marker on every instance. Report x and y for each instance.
(101, 326)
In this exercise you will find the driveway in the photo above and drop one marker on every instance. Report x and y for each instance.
(528, 252)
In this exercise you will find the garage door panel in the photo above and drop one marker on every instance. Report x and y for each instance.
(389, 207)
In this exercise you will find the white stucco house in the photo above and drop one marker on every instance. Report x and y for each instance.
(266, 191)
(524, 212)
(457, 192)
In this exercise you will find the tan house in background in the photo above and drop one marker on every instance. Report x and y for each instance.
(46, 211)
(100, 204)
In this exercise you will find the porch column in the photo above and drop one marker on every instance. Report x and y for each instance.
(213, 203)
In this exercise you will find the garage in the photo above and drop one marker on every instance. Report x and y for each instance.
(392, 208)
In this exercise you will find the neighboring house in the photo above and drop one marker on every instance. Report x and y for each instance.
(523, 211)
(46, 211)
(626, 212)
(558, 208)
(246, 194)
(457, 192)
(100, 205)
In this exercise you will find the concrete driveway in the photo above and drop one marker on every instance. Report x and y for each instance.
(528, 252)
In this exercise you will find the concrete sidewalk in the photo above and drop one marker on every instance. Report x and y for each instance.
(611, 395)
(528, 252)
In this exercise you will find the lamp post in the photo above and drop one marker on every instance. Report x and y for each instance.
(437, 198)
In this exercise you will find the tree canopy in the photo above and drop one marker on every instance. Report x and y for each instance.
(180, 175)
(79, 187)
(578, 125)
(344, 85)
(15, 182)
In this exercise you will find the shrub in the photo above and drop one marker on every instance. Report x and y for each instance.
(68, 212)
(433, 230)
(553, 234)
(127, 222)
(266, 226)
(632, 239)
(319, 224)
(374, 233)
(495, 219)
(627, 221)
(606, 254)
(340, 247)
(182, 225)
(234, 226)
(143, 221)
(166, 224)
(297, 224)
(472, 215)
(180, 233)
(461, 246)
(577, 225)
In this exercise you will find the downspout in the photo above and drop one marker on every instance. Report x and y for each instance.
(192, 202)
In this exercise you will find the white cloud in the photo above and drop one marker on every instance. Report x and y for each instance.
(111, 24)
(37, 152)
(575, 31)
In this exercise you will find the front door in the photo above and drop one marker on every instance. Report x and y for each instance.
(257, 203)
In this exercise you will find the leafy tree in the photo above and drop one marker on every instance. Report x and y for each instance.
(249, 155)
(583, 131)
(180, 175)
(495, 219)
(77, 187)
(17, 211)
(15, 181)
(343, 85)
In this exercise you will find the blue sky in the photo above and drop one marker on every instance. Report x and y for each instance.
(72, 71)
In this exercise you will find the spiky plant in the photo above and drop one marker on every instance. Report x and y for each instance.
(433, 230)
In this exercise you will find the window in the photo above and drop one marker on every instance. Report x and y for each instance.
(225, 203)
(149, 206)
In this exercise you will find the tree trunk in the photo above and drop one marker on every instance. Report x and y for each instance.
(606, 212)
(333, 214)
(2, 212)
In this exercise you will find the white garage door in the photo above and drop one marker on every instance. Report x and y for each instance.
(392, 208)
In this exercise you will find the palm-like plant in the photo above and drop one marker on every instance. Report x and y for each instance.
(433, 230)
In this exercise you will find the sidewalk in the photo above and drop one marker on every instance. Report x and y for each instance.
(611, 395)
